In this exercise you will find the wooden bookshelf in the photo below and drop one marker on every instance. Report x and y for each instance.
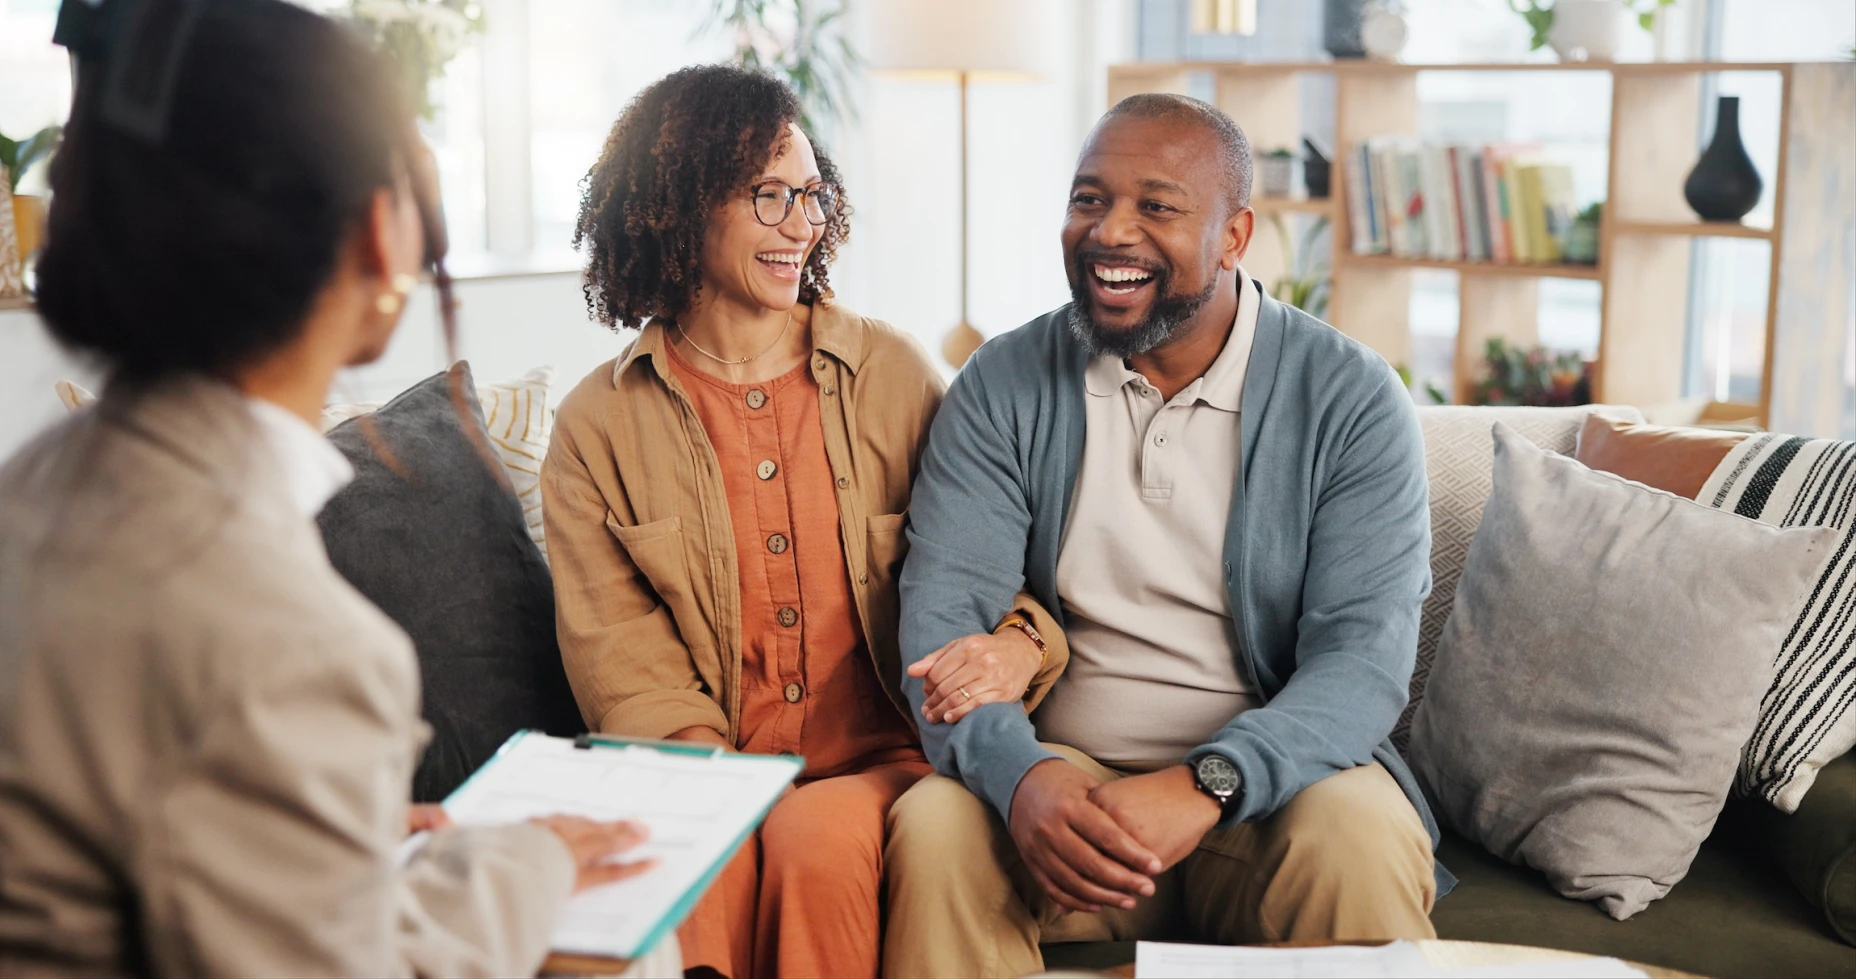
(1644, 238)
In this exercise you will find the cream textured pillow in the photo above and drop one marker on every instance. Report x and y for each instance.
(1602, 667)
(517, 413)
(1459, 462)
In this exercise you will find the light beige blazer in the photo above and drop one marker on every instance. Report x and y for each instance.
(207, 737)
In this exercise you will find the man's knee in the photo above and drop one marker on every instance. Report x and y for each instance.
(1355, 826)
(936, 820)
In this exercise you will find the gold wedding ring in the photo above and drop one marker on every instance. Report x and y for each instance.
(965, 694)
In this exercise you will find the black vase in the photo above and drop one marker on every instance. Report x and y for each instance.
(1340, 28)
(1724, 186)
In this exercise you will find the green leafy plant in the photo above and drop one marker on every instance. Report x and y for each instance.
(801, 41)
(1280, 153)
(18, 156)
(420, 36)
(1306, 285)
(1540, 18)
(1531, 376)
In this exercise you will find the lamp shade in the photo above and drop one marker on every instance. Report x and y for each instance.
(988, 37)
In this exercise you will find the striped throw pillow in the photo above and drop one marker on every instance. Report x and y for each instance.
(1808, 716)
(518, 414)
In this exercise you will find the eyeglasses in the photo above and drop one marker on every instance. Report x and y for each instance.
(773, 202)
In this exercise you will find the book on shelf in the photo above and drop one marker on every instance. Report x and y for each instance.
(1457, 202)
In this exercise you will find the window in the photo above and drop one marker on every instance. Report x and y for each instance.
(1728, 301)
(35, 75)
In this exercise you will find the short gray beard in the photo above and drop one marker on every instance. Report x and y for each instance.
(1169, 314)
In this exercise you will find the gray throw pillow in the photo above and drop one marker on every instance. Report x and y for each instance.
(433, 534)
(1602, 666)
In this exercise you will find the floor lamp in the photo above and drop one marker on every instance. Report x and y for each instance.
(968, 40)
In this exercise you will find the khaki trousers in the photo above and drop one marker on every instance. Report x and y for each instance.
(1347, 859)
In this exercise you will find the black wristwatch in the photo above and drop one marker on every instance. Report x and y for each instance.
(1217, 777)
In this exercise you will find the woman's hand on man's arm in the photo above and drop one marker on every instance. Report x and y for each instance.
(976, 670)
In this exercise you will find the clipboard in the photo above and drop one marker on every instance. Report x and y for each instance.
(700, 803)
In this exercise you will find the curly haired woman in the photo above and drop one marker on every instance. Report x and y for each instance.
(725, 506)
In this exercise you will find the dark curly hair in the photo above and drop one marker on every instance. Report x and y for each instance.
(677, 152)
(204, 250)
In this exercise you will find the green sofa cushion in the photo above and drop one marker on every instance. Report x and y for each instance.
(1816, 846)
(1735, 913)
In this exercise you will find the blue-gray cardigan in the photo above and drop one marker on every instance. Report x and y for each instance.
(1327, 551)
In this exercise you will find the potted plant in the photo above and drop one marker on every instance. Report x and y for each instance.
(1581, 244)
(16, 157)
(805, 43)
(1530, 376)
(1306, 285)
(1584, 30)
(1276, 172)
(420, 36)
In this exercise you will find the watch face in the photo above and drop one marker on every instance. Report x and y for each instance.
(1219, 776)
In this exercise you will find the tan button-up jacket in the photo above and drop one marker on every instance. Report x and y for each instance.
(207, 737)
(647, 592)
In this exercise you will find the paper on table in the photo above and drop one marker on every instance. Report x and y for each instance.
(697, 807)
(1398, 960)
(1581, 968)
(1154, 959)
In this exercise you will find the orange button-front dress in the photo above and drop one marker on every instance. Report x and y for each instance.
(802, 898)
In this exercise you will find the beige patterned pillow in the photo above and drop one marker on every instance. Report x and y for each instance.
(517, 413)
(1460, 460)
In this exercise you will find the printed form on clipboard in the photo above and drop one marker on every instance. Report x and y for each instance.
(699, 803)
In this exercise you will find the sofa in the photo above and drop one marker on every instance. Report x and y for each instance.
(1769, 894)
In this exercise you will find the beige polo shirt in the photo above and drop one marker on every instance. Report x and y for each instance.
(1153, 649)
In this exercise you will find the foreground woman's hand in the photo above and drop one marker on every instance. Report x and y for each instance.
(426, 816)
(965, 673)
(593, 846)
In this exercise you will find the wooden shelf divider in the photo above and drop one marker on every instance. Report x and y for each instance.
(1512, 269)
(1298, 205)
(1692, 229)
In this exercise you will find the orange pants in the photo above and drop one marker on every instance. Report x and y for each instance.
(802, 897)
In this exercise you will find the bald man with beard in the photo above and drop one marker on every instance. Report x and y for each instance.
(1225, 501)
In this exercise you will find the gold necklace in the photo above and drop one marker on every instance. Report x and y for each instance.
(736, 363)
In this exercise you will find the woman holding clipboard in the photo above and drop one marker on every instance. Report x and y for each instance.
(207, 737)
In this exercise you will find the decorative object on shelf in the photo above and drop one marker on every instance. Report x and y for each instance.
(961, 39)
(1224, 17)
(1340, 28)
(27, 210)
(1724, 186)
(1315, 168)
(421, 36)
(1276, 172)
(1383, 31)
(1584, 30)
(12, 282)
(1535, 377)
(805, 44)
(1581, 246)
(1307, 283)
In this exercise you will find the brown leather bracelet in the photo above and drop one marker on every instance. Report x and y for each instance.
(1018, 621)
